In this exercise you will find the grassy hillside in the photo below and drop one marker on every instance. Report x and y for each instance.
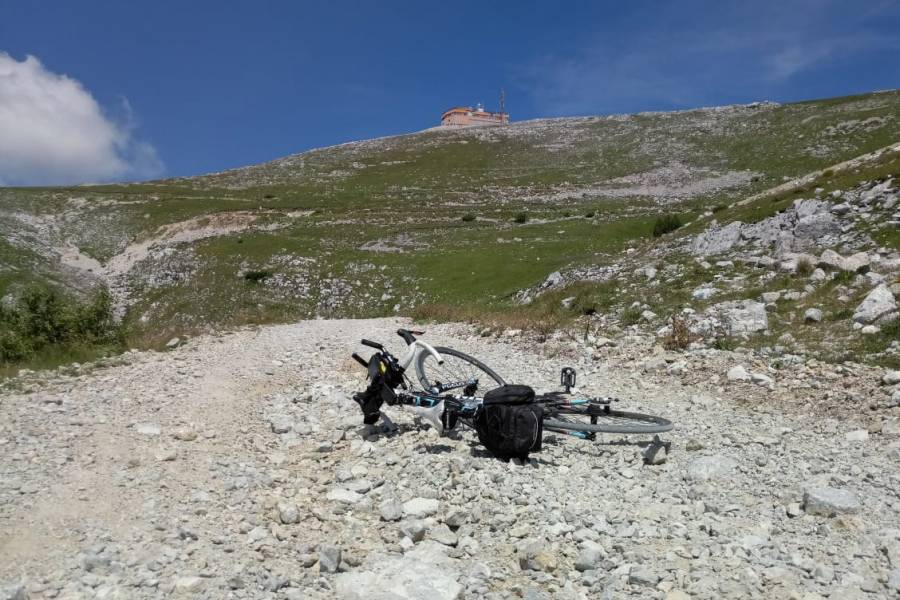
(450, 220)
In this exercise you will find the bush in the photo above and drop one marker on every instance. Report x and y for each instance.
(680, 336)
(666, 224)
(719, 208)
(521, 218)
(630, 315)
(468, 217)
(804, 268)
(589, 214)
(256, 276)
(43, 318)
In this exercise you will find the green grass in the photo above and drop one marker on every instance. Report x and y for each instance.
(481, 206)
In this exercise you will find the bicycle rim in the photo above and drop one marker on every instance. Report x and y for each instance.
(459, 371)
(613, 421)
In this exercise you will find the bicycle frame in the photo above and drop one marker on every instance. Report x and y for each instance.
(416, 347)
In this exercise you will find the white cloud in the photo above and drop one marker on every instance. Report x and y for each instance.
(52, 131)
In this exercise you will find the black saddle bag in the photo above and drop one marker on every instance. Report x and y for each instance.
(510, 424)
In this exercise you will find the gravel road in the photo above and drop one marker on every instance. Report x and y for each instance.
(235, 466)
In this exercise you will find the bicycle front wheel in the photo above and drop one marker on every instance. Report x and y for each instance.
(606, 421)
(459, 373)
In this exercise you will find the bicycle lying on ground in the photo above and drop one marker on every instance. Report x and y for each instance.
(456, 387)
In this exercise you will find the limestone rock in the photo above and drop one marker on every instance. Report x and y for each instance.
(717, 241)
(879, 303)
(829, 502)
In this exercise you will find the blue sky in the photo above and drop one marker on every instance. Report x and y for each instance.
(199, 86)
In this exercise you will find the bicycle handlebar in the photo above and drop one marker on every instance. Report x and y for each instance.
(372, 344)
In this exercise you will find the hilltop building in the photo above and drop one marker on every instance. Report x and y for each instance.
(463, 116)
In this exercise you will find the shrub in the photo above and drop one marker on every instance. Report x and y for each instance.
(43, 318)
(724, 343)
(719, 208)
(256, 276)
(589, 214)
(681, 336)
(521, 218)
(468, 217)
(804, 268)
(666, 224)
(630, 315)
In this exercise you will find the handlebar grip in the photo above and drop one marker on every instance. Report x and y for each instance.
(372, 344)
(360, 360)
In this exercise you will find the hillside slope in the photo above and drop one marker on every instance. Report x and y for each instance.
(464, 218)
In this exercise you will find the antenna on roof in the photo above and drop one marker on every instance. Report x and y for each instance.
(503, 118)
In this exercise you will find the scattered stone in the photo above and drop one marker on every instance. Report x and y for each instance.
(738, 373)
(148, 429)
(859, 435)
(743, 317)
(813, 315)
(419, 508)
(288, 512)
(390, 510)
(442, 535)
(533, 556)
(643, 575)
(173, 343)
(329, 559)
(829, 502)
(422, 573)
(344, 496)
(706, 468)
(188, 585)
(891, 378)
(185, 434)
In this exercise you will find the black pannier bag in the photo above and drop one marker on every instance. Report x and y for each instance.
(382, 381)
(510, 424)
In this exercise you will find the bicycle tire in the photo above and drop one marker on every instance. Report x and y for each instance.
(425, 360)
(612, 421)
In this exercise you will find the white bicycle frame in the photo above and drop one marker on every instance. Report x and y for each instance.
(416, 347)
(433, 414)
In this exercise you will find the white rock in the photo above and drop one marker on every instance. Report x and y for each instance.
(419, 508)
(813, 315)
(344, 496)
(746, 316)
(188, 584)
(878, 303)
(891, 378)
(707, 468)
(420, 574)
(717, 241)
(148, 429)
(828, 502)
(704, 293)
(738, 373)
(858, 435)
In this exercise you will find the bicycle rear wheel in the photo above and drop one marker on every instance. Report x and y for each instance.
(606, 421)
(460, 373)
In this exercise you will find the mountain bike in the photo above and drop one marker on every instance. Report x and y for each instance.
(441, 371)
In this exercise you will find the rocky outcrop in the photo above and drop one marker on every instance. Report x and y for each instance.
(717, 240)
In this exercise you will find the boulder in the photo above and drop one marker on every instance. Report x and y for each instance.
(857, 263)
(419, 508)
(829, 502)
(879, 303)
(831, 260)
(812, 315)
(816, 226)
(745, 316)
(718, 240)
